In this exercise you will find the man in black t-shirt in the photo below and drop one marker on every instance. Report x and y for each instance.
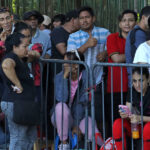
(59, 38)
(60, 35)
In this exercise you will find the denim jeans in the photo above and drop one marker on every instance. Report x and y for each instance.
(21, 137)
(4, 137)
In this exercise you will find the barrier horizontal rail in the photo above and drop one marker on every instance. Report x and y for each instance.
(56, 61)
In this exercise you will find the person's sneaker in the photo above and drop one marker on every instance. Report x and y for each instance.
(64, 147)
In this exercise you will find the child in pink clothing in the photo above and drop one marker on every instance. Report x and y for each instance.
(70, 108)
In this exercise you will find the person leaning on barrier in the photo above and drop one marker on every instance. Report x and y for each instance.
(136, 102)
(60, 35)
(116, 54)
(142, 54)
(18, 85)
(91, 41)
(68, 105)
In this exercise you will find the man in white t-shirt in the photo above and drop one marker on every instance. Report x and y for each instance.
(142, 54)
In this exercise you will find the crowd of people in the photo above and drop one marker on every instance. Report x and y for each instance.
(73, 36)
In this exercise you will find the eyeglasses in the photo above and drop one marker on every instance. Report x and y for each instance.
(76, 53)
(4, 9)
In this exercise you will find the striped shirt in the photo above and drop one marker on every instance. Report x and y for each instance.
(79, 38)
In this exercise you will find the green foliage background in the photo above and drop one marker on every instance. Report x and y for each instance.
(106, 11)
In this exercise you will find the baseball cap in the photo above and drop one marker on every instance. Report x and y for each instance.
(35, 13)
(47, 20)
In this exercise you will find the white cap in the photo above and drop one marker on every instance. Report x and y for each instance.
(47, 20)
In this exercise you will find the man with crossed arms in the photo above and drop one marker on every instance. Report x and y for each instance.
(91, 40)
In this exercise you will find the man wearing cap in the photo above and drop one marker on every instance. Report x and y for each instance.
(34, 19)
(59, 36)
(45, 25)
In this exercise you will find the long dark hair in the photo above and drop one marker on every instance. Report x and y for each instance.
(71, 55)
(138, 70)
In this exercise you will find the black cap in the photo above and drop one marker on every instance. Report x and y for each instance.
(71, 14)
(35, 13)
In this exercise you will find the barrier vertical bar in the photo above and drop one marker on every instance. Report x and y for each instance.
(131, 89)
(112, 112)
(54, 99)
(46, 98)
(122, 104)
(42, 104)
(103, 107)
(92, 110)
(142, 106)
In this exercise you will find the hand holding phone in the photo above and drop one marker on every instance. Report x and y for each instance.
(125, 109)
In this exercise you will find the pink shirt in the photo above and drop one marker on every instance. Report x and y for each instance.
(74, 85)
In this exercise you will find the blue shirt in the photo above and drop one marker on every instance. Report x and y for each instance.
(79, 38)
(140, 37)
(44, 39)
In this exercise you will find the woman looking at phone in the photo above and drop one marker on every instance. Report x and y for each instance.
(134, 118)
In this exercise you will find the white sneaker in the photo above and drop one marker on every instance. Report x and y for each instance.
(64, 147)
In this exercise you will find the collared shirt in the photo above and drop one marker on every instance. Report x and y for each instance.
(44, 39)
(79, 38)
(116, 45)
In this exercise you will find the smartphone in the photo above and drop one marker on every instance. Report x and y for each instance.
(125, 109)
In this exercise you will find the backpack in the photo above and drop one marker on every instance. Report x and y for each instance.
(109, 145)
(132, 40)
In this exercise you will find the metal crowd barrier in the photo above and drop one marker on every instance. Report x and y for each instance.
(51, 65)
(92, 81)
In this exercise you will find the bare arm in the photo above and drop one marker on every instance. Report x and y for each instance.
(8, 66)
(32, 55)
(83, 48)
(61, 48)
(101, 57)
(129, 105)
(137, 118)
(118, 58)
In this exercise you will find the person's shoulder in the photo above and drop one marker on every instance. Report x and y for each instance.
(100, 29)
(44, 35)
(12, 56)
(58, 31)
(138, 30)
(113, 35)
(75, 34)
(142, 46)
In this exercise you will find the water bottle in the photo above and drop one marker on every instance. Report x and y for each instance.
(135, 131)
(135, 126)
